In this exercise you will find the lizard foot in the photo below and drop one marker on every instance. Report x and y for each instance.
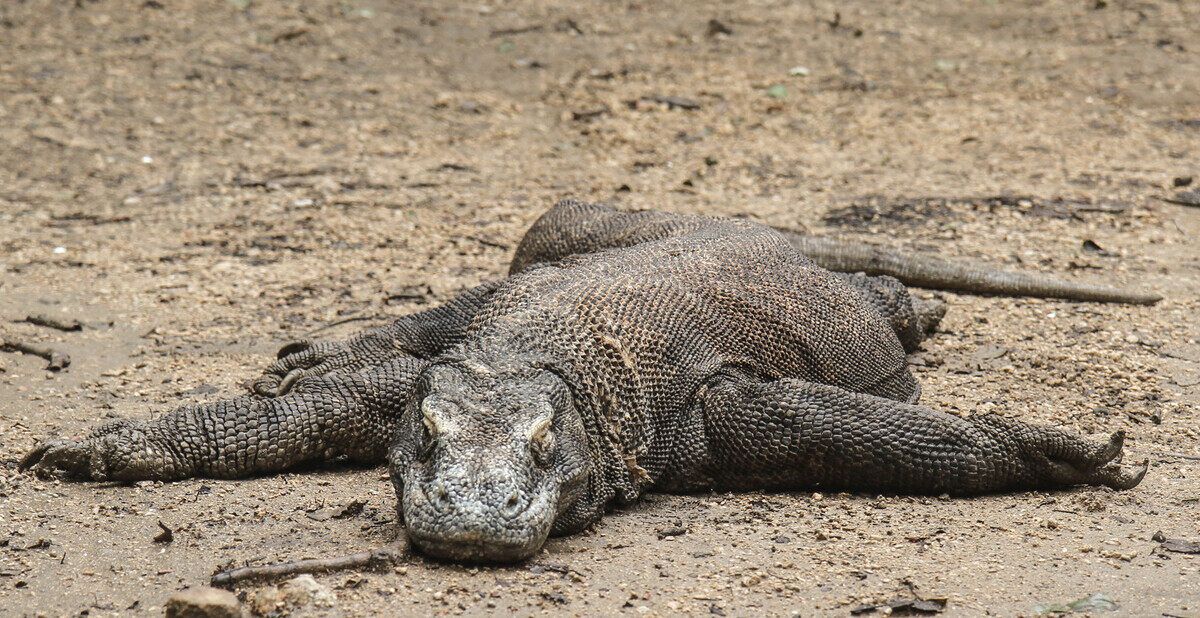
(66, 458)
(117, 451)
(1051, 457)
(1099, 465)
(309, 359)
(301, 359)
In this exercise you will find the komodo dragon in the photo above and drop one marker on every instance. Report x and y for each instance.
(626, 352)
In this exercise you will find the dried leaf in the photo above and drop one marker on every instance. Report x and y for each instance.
(166, 536)
(906, 606)
(334, 512)
(1181, 546)
(672, 531)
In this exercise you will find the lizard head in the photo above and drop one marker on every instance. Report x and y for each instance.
(487, 456)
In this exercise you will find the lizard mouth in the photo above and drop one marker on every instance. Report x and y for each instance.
(477, 549)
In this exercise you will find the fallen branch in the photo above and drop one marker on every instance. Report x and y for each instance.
(78, 217)
(518, 30)
(1179, 455)
(57, 360)
(673, 102)
(372, 559)
(49, 322)
(488, 243)
(357, 318)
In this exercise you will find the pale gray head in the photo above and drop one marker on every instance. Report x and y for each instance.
(488, 455)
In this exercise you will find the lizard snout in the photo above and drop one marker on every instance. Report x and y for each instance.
(483, 515)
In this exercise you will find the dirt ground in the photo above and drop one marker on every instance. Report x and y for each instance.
(200, 181)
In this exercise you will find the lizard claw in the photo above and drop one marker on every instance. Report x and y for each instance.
(289, 380)
(296, 360)
(282, 376)
(1110, 472)
(292, 358)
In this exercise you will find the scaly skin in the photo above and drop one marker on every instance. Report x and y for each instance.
(626, 353)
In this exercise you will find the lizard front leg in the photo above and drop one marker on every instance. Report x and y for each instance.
(793, 434)
(421, 335)
(348, 415)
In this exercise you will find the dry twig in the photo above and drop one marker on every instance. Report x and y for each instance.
(57, 360)
(371, 559)
(49, 322)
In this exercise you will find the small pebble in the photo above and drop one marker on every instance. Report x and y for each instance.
(203, 602)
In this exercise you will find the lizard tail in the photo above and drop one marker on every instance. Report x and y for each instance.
(925, 271)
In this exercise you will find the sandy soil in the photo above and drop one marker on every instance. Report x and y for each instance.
(198, 182)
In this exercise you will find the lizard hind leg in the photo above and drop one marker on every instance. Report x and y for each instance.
(795, 434)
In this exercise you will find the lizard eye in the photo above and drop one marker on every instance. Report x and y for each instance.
(429, 432)
(541, 442)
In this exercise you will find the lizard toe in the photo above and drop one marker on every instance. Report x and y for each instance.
(1101, 467)
(1128, 478)
(929, 313)
(1121, 477)
(294, 347)
(288, 381)
(1112, 451)
(296, 361)
(266, 385)
(33, 457)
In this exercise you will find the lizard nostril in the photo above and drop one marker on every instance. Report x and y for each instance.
(441, 497)
(513, 504)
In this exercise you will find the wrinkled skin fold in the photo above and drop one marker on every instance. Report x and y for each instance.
(627, 352)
